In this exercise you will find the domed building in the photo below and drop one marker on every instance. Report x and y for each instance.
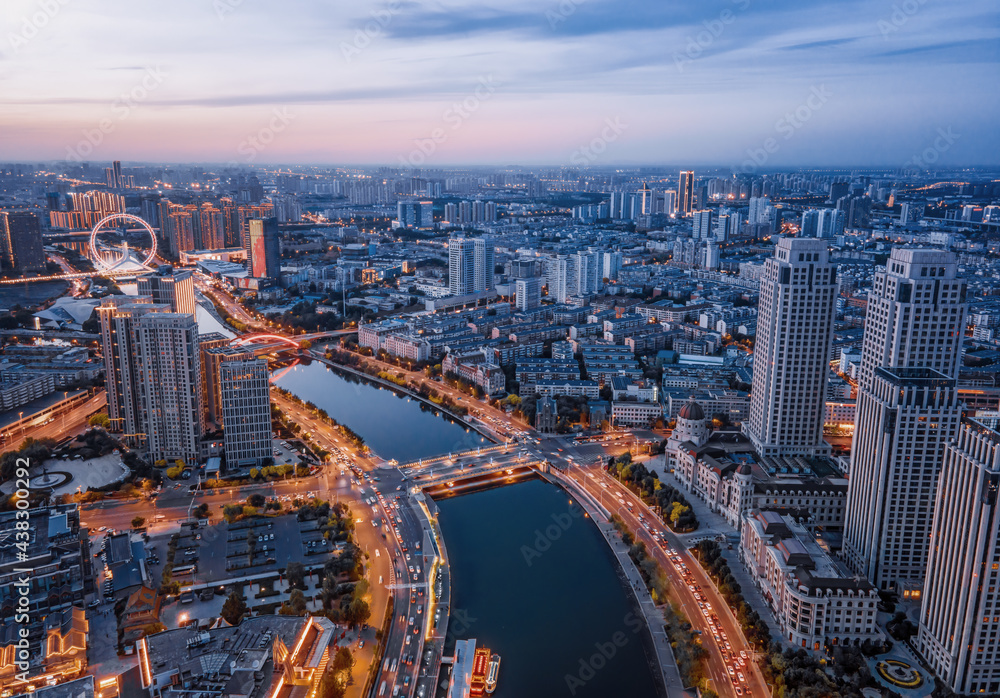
(703, 467)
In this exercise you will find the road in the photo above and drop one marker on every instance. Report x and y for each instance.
(64, 423)
(620, 500)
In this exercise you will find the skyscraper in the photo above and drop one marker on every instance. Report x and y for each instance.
(759, 213)
(470, 265)
(913, 337)
(153, 376)
(246, 412)
(484, 265)
(170, 286)
(557, 273)
(669, 202)
(21, 241)
(529, 293)
(265, 250)
(643, 201)
(173, 413)
(584, 273)
(810, 224)
(701, 226)
(830, 223)
(960, 611)
(685, 192)
(798, 295)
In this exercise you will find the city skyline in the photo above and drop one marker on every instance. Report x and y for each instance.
(572, 83)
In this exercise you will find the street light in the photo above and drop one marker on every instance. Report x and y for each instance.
(20, 418)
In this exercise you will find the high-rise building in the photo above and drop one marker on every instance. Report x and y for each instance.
(643, 205)
(585, 273)
(913, 337)
(21, 241)
(701, 226)
(153, 376)
(712, 255)
(415, 214)
(173, 287)
(246, 412)
(798, 293)
(528, 293)
(470, 265)
(461, 265)
(830, 223)
(685, 192)
(173, 413)
(838, 190)
(215, 348)
(484, 265)
(265, 250)
(810, 224)
(451, 213)
(759, 214)
(557, 277)
(611, 264)
(960, 610)
(113, 175)
(670, 202)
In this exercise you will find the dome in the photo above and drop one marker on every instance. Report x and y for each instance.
(743, 469)
(692, 411)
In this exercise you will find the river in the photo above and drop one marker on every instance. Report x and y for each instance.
(394, 426)
(535, 581)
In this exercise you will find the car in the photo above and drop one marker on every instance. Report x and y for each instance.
(416, 629)
(741, 677)
(361, 643)
(739, 691)
(732, 671)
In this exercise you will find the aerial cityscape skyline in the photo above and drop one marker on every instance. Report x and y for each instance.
(451, 349)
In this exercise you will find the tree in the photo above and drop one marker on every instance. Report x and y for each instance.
(235, 608)
(174, 472)
(138, 522)
(358, 612)
(296, 604)
(295, 573)
(179, 463)
(101, 419)
(343, 661)
(677, 511)
(305, 345)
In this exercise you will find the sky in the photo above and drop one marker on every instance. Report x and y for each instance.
(727, 83)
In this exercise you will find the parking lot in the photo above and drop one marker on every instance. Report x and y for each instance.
(223, 551)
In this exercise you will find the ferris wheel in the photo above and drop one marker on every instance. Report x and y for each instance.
(119, 251)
